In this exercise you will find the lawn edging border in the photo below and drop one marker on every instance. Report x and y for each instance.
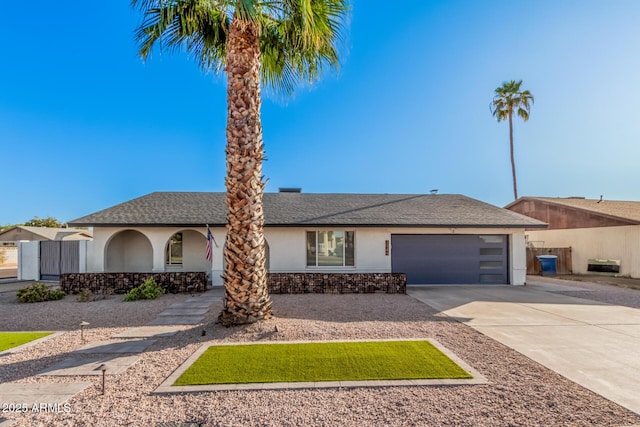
(53, 334)
(167, 386)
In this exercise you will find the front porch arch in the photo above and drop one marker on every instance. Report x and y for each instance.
(128, 251)
(192, 252)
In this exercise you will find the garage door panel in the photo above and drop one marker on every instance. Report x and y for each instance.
(450, 259)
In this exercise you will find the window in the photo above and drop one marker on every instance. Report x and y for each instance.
(330, 249)
(174, 250)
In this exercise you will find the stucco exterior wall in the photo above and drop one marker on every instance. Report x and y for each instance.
(621, 243)
(129, 251)
(29, 260)
(287, 253)
(194, 246)
(106, 240)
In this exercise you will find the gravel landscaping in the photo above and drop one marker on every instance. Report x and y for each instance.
(521, 392)
(607, 293)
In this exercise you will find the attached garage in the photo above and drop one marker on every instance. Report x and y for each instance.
(451, 258)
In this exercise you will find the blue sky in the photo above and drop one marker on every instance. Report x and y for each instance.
(85, 124)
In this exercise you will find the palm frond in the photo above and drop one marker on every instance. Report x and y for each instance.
(509, 98)
(299, 39)
(198, 26)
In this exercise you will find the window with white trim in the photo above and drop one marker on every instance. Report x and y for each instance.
(333, 248)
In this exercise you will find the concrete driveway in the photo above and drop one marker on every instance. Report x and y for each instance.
(594, 344)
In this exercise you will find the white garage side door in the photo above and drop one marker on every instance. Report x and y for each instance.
(450, 259)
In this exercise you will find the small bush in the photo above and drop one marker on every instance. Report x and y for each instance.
(39, 292)
(86, 295)
(148, 290)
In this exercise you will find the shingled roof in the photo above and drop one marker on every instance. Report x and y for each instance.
(309, 209)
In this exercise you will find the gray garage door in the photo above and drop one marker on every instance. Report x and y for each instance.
(450, 259)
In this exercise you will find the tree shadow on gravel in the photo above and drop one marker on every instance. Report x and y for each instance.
(354, 308)
(67, 313)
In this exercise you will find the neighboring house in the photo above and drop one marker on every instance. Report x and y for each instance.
(25, 233)
(45, 253)
(603, 230)
(431, 238)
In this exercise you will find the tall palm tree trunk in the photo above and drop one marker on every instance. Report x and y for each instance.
(245, 277)
(513, 160)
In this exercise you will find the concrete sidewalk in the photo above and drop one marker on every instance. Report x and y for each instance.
(591, 343)
(115, 355)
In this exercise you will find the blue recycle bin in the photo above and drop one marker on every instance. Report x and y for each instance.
(548, 264)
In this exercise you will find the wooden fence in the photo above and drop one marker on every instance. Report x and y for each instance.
(563, 263)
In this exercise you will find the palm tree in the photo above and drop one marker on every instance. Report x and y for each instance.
(507, 99)
(280, 43)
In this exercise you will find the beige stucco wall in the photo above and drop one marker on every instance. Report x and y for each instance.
(621, 243)
(287, 249)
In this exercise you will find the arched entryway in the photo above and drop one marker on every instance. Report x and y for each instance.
(186, 251)
(129, 251)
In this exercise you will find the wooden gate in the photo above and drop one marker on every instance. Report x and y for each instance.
(57, 257)
(563, 263)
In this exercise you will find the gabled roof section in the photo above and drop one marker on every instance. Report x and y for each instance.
(626, 211)
(23, 232)
(309, 209)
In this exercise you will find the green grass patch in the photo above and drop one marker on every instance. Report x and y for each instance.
(321, 361)
(14, 339)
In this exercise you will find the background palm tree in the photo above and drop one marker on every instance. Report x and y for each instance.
(280, 43)
(507, 99)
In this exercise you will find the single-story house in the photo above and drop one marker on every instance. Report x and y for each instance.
(601, 233)
(444, 239)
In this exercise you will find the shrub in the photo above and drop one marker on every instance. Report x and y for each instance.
(86, 295)
(39, 292)
(148, 290)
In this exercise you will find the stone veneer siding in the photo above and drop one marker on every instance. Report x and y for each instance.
(337, 283)
(121, 283)
(278, 283)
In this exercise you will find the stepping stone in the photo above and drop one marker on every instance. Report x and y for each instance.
(6, 423)
(31, 393)
(189, 305)
(209, 297)
(100, 347)
(149, 332)
(177, 320)
(183, 311)
(90, 366)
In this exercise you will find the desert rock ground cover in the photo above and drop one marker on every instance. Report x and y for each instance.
(521, 392)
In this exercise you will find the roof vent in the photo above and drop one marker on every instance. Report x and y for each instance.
(290, 190)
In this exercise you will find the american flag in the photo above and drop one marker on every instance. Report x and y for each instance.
(209, 251)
